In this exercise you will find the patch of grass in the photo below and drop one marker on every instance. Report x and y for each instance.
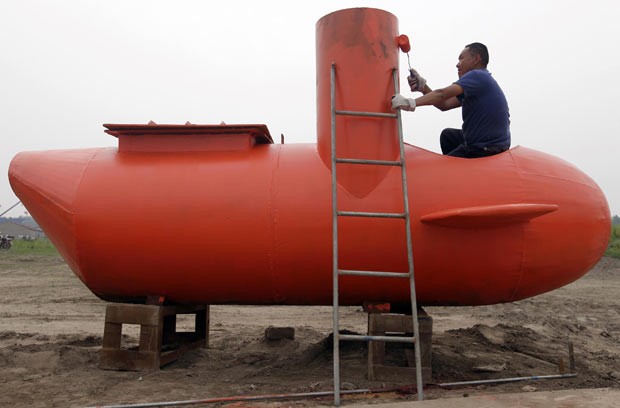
(41, 246)
(614, 242)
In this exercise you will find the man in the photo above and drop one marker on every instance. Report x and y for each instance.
(486, 120)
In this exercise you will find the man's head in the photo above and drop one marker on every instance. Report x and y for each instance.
(473, 56)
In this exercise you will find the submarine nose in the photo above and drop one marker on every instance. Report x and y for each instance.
(47, 183)
(566, 244)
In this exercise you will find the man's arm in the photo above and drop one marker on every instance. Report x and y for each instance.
(443, 99)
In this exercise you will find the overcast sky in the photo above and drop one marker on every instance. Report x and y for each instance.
(67, 67)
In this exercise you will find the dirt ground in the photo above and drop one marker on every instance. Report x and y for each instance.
(51, 328)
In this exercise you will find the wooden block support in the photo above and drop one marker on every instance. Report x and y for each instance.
(160, 343)
(381, 324)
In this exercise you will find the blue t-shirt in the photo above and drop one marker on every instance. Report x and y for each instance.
(486, 120)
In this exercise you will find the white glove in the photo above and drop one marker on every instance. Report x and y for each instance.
(400, 102)
(416, 82)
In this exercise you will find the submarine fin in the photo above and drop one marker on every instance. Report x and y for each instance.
(488, 215)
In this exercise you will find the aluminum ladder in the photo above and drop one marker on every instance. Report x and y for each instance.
(337, 272)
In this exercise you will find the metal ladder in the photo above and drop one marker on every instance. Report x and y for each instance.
(337, 272)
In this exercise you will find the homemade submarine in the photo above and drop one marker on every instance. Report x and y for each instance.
(219, 214)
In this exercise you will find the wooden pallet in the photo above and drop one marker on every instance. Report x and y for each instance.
(160, 343)
(381, 324)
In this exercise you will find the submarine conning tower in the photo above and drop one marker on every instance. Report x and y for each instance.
(361, 44)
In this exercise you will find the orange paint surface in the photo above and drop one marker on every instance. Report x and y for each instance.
(253, 226)
(361, 42)
(219, 214)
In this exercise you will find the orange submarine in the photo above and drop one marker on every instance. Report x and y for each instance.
(219, 214)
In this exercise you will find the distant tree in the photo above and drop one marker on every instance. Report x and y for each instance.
(615, 220)
(22, 219)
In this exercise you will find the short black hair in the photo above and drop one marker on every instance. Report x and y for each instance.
(481, 50)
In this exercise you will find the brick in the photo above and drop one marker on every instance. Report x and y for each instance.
(277, 333)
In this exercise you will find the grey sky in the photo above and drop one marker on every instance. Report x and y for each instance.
(68, 66)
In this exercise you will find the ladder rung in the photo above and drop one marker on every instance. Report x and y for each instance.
(372, 114)
(362, 337)
(374, 273)
(370, 214)
(365, 161)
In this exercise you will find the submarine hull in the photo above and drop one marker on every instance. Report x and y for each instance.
(253, 226)
(220, 214)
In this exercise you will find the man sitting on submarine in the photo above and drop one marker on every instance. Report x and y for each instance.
(486, 120)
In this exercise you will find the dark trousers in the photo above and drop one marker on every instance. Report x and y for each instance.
(453, 144)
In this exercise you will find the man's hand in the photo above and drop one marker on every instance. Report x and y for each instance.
(416, 82)
(400, 102)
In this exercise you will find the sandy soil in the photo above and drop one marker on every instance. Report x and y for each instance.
(51, 328)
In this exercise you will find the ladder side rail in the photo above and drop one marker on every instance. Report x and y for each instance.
(414, 303)
(335, 301)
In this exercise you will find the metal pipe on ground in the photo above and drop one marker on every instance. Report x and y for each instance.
(506, 380)
(318, 394)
